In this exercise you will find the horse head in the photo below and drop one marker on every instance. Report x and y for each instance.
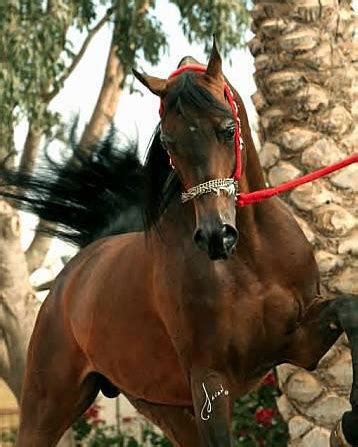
(199, 129)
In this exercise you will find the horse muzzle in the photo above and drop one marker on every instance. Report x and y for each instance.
(219, 241)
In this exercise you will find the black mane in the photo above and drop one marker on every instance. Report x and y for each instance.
(107, 190)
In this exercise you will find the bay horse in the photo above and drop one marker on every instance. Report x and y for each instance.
(186, 309)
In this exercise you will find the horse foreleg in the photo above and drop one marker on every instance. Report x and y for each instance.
(213, 407)
(57, 389)
(324, 321)
(345, 310)
(178, 423)
(314, 335)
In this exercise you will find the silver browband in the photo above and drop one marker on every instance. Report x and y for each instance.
(228, 186)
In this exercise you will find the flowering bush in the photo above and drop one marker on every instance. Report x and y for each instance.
(256, 423)
(90, 430)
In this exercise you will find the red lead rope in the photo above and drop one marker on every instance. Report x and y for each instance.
(249, 198)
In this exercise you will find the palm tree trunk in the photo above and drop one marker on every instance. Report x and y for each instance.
(305, 73)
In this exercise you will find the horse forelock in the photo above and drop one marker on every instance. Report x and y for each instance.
(187, 93)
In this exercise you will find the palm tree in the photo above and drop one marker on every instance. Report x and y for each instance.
(305, 75)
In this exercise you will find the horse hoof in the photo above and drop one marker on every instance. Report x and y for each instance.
(337, 438)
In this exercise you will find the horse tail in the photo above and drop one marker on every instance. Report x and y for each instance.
(95, 194)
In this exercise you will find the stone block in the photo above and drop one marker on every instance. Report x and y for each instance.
(328, 262)
(269, 155)
(282, 172)
(346, 281)
(318, 437)
(337, 121)
(304, 39)
(303, 387)
(272, 117)
(312, 98)
(322, 153)
(310, 195)
(340, 374)
(349, 245)
(285, 408)
(284, 371)
(285, 82)
(347, 178)
(327, 410)
(298, 426)
(334, 218)
(296, 138)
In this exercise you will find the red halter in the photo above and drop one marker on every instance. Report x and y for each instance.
(234, 108)
(243, 199)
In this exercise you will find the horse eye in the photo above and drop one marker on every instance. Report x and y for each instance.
(167, 143)
(229, 133)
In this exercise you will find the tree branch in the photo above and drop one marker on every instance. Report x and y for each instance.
(37, 251)
(44, 286)
(107, 101)
(4, 365)
(49, 96)
(16, 355)
(31, 148)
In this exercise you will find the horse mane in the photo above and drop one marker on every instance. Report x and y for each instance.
(163, 183)
(93, 194)
(107, 190)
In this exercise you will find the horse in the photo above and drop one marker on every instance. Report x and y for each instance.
(184, 304)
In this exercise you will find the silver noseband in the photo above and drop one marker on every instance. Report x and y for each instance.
(227, 186)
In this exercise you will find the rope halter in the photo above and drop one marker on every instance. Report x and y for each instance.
(227, 186)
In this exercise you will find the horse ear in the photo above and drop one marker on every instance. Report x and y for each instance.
(214, 68)
(155, 85)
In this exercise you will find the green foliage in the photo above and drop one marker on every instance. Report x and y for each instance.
(7, 437)
(93, 432)
(227, 19)
(143, 31)
(37, 48)
(256, 423)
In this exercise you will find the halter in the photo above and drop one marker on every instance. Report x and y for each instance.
(228, 186)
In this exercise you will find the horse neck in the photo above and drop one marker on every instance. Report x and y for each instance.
(252, 176)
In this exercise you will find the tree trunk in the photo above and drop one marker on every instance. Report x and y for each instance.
(304, 76)
(18, 304)
(107, 102)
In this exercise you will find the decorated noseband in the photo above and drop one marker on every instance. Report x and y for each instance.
(228, 186)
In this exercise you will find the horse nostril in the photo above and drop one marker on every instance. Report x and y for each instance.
(199, 239)
(230, 236)
(217, 241)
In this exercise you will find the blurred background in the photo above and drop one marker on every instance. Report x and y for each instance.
(294, 64)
